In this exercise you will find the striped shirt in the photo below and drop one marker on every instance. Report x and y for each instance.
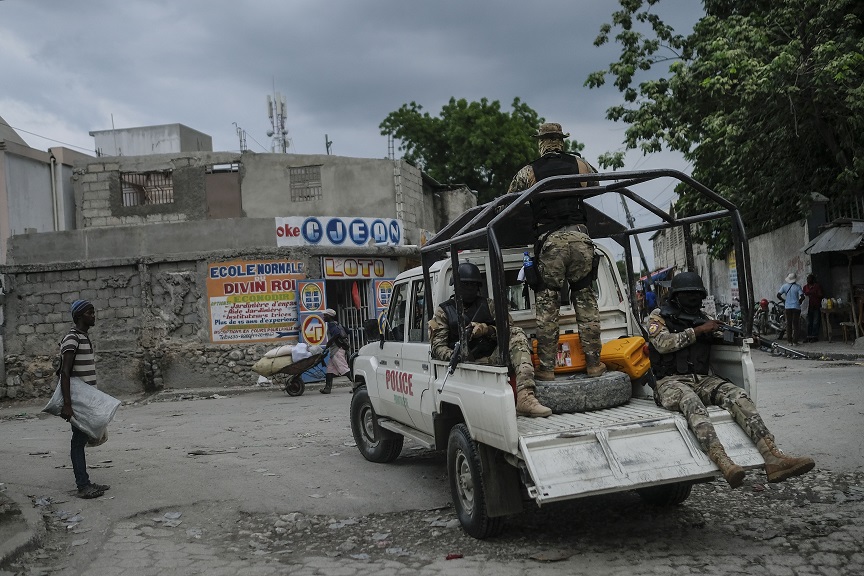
(84, 366)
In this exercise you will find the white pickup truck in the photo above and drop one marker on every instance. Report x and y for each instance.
(492, 454)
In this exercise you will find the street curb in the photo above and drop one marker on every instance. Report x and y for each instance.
(832, 356)
(205, 393)
(29, 538)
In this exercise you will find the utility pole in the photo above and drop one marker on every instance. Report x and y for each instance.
(632, 223)
(327, 143)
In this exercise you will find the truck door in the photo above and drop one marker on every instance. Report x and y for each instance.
(389, 373)
(415, 359)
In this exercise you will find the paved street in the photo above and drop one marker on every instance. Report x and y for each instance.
(219, 482)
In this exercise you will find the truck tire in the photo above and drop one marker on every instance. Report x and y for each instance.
(375, 443)
(579, 393)
(466, 485)
(666, 494)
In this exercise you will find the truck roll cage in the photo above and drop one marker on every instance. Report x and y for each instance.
(507, 222)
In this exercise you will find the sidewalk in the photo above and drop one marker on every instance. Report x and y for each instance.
(823, 350)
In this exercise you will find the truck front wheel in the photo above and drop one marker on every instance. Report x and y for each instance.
(375, 443)
(466, 485)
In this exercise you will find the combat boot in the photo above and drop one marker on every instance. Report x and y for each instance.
(544, 375)
(780, 467)
(596, 370)
(528, 405)
(733, 473)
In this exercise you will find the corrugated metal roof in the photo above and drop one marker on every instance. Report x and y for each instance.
(837, 239)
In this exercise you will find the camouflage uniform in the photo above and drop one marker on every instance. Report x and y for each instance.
(520, 354)
(689, 394)
(566, 256)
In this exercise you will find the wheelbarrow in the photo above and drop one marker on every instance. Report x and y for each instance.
(312, 368)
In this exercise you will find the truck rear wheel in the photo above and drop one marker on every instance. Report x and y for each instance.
(375, 443)
(466, 485)
(666, 494)
(579, 393)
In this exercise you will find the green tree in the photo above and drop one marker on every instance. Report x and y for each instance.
(765, 99)
(473, 143)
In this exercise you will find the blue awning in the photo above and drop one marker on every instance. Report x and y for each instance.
(658, 275)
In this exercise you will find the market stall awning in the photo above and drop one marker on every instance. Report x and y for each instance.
(847, 237)
(658, 275)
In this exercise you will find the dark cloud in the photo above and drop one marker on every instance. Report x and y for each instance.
(343, 65)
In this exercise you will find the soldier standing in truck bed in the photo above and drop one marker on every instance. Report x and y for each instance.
(565, 253)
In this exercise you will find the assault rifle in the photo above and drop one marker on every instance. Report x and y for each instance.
(729, 332)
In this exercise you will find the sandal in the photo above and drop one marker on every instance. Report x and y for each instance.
(90, 491)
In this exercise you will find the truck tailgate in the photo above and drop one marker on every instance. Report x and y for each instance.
(632, 446)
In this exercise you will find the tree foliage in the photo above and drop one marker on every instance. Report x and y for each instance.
(473, 143)
(765, 99)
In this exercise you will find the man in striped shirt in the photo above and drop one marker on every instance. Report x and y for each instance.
(78, 360)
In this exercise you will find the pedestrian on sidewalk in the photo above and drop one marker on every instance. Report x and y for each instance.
(78, 360)
(792, 296)
(813, 291)
(337, 342)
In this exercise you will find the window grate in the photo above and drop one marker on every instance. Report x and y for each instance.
(305, 183)
(146, 188)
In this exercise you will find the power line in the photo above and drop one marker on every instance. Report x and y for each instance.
(46, 137)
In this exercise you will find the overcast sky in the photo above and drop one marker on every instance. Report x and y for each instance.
(67, 68)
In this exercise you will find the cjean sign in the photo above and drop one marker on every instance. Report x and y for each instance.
(338, 231)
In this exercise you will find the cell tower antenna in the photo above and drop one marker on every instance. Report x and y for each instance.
(276, 111)
(241, 134)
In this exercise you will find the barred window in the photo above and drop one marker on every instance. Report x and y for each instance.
(145, 188)
(305, 183)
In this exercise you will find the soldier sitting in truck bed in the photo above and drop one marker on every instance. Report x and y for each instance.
(444, 333)
(681, 336)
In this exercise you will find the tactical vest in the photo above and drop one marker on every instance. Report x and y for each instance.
(551, 214)
(478, 312)
(690, 360)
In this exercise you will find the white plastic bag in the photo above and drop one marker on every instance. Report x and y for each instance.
(285, 350)
(300, 352)
(93, 409)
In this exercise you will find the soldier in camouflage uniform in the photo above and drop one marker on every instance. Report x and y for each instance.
(681, 336)
(483, 343)
(566, 255)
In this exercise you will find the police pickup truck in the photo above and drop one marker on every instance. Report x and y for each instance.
(608, 443)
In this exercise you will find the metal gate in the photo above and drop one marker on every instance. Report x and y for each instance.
(349, 315)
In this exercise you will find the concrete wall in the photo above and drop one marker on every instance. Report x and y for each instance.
(64, 159)
(360, 187)
(153, 324)
(773, 255)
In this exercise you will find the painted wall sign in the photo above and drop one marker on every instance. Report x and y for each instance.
(383, 289)
(358, 268)
(338, 231)
(253, 301)
(313, 329)
(311, 296)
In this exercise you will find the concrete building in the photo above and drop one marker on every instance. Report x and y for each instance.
(36, 192)
(146, 140)
(198, 262)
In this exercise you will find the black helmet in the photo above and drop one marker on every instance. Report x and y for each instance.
(687, 282)
(468, 272)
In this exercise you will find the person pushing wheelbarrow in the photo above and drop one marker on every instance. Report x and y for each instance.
(337, 342)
